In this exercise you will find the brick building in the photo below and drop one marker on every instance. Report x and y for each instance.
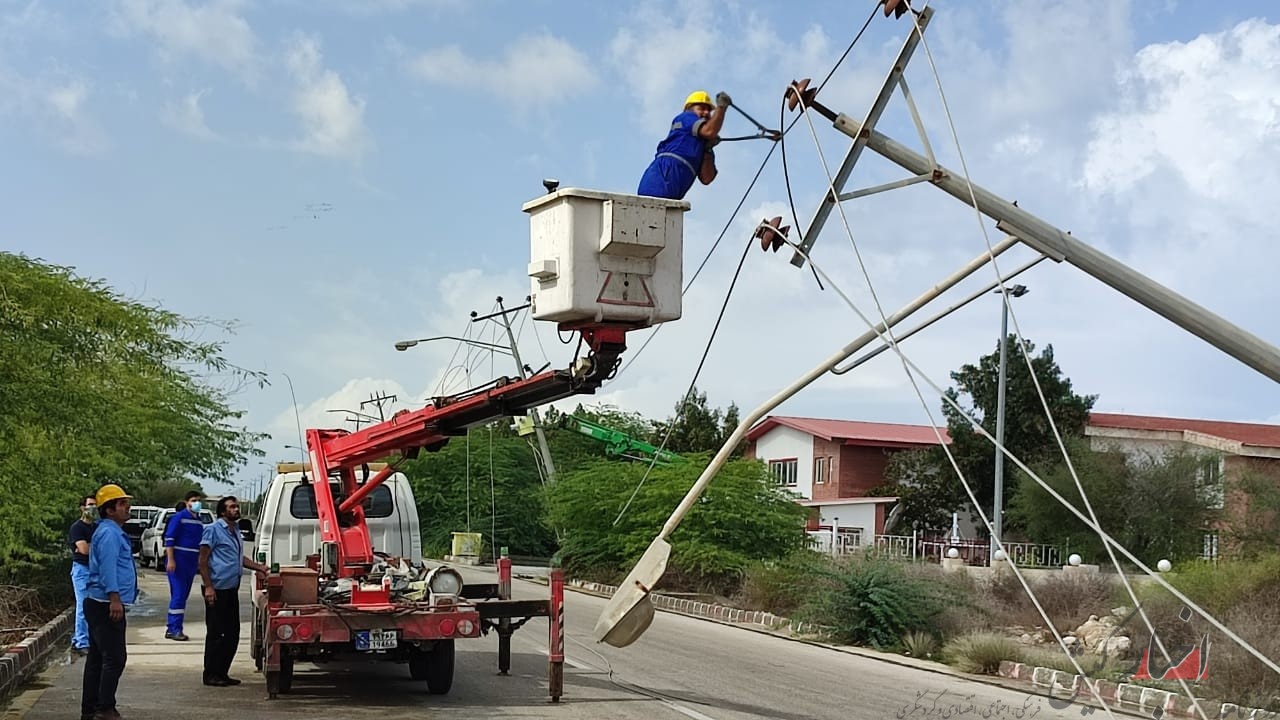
(831, 465)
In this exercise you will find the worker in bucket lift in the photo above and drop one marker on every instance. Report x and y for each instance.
(686, 152)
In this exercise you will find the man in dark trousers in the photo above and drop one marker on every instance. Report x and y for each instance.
(181, 548)
(112, 587)
(221, 558)
(78, 537)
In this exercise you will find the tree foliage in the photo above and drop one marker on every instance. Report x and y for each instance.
(486, 483)
(743, 517)
(698, 427)
(1028, 433)
(99, 388)
(1157, 507)
(926, 487)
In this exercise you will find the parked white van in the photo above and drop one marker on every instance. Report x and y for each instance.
(288, 529)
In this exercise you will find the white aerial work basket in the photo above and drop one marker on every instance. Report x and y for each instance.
(599, 257)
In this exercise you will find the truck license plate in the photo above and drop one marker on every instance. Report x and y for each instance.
(376, 639)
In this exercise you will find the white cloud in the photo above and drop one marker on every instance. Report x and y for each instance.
(186, 116)
(214, 31)
(1224, 84)
(332, 120)
(657, 51)
(284, 427)
(535, 72)
(65, 100)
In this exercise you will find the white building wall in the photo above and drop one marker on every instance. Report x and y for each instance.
(784, 442)
(861, 516)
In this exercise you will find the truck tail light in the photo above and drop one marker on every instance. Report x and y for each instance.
(447, 626)
(304, 631)
(284, 632)
(466, 627)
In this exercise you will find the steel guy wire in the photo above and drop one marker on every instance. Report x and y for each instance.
(1102, 534)
(1022, 344)
(908, 366)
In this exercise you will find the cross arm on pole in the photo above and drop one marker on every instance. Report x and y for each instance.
(855, 151)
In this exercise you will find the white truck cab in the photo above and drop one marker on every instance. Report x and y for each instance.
(288, 529)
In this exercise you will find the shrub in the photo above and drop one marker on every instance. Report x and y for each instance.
(1068, 600)
(920, 644)
(873, 601)
(981, 652)
(1233, 673)
(782, 586)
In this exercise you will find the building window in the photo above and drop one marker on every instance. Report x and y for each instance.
(1209, 481)
(1210, 547)
(821, 470)
(785, 471)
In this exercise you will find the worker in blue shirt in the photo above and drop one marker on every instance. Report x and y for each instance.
(79, 537)
(182, 551)
(112, 587)
(685, 154)
(221, 560)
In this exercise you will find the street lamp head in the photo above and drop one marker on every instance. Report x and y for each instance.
(1012, 290)
(405, 344)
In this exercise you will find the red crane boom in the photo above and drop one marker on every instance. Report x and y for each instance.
(345, 548)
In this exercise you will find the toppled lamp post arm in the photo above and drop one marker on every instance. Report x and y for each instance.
(629, 612)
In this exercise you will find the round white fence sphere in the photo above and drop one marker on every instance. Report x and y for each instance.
(1074, 560)
(999, 555)
(953, 553)
(1164, 566)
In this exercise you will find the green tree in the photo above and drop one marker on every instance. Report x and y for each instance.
(1028, 434)
(1157, 507)
(743, 517)
(489, 485)
(926, 487)
(698, 427)
(99, 388)
(1252, 499)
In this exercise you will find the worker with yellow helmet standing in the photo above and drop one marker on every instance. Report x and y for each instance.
(112, 586)
(685, 154)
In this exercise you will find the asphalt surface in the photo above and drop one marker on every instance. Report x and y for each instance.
(681, 668)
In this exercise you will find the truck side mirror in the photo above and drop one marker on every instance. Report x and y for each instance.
(246, 528)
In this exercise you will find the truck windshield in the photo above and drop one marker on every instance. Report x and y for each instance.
(302, 503)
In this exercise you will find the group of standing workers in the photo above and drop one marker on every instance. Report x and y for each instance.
(106, 586)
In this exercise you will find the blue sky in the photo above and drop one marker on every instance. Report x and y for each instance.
(335, 176)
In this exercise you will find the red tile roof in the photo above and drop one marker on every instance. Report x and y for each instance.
(1255, 434)
(853, 432)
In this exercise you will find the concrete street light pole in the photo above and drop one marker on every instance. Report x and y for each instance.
(997, 517)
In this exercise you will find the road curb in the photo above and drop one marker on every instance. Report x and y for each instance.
(23, 658)
(1128, 696)
(1137, 700)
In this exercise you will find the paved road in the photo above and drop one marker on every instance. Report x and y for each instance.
(681, 668)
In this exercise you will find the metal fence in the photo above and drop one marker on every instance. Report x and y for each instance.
(934, 548)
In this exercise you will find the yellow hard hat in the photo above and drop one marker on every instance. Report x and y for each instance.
(699, 97)
(110, 492)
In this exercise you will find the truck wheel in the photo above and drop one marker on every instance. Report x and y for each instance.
(418, 664)
(255, 642)
(280, 681)
(439, 671)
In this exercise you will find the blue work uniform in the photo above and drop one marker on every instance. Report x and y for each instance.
(679, 157)
(182, 533)
(111, 570)
(222, 616)
(80, 530)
